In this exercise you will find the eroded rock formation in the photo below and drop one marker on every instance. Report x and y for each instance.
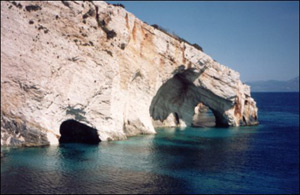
(101, 66)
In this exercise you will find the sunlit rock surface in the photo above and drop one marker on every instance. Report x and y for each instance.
(99, 65)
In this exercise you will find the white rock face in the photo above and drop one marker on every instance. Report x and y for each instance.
(100, 65)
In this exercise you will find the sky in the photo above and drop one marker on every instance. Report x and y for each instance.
(258, 39)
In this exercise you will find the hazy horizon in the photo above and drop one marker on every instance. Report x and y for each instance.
(274, 79)
(260, 40)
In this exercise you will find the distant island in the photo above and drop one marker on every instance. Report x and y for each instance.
(291, 85)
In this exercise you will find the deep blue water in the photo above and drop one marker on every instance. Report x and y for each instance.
(259, 159)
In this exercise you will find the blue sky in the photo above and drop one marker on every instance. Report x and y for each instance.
(260, 40)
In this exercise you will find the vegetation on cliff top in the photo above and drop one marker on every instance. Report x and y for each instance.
(175, 36)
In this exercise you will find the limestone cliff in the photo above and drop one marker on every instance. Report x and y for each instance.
(101, 66)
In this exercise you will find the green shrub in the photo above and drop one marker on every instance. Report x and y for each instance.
(175, 36)
(197, 46)
(118, 5)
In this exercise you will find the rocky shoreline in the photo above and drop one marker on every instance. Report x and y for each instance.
(99, 65)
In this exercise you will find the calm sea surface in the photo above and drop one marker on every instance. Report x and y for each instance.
(260, 159)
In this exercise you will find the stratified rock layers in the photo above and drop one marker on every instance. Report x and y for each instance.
(101, 66)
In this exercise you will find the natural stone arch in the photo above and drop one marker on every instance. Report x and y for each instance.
(73, 131)
(185, 90)
(203, 116)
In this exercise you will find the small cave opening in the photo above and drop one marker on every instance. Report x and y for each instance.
(203, 116)
(176, 118)
(72, 131)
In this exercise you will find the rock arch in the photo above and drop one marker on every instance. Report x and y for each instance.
(203, 116)
(188, 87)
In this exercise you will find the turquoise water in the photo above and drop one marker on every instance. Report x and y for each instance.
(259, 159)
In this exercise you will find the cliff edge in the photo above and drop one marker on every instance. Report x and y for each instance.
(99, 65)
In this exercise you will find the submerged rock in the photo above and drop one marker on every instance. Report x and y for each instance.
(108, 70)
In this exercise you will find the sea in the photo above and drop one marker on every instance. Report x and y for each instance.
(262, 159)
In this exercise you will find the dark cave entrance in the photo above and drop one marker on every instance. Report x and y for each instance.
(72, 131)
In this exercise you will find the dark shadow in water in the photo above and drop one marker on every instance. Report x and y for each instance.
(75, 132)
(205, 154)
(77, 152)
